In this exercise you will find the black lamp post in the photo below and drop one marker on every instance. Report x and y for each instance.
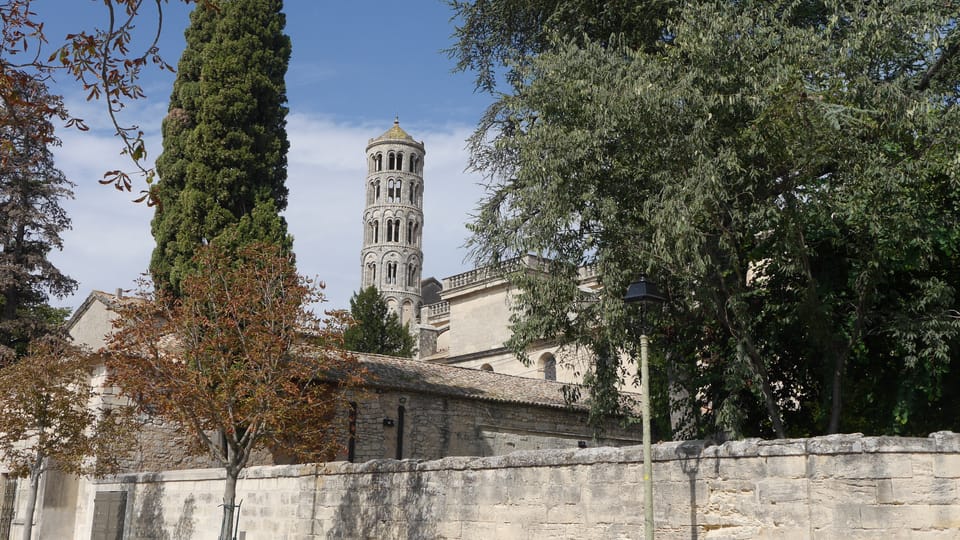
(645, 292)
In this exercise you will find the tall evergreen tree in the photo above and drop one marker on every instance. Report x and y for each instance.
(377, 330)
(223, 167)
(31, 218)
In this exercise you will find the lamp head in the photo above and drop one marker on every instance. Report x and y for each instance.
(643, 291)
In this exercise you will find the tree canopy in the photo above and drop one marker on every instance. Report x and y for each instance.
(238, 362)
(375, 328)
(223, 167)
(31, 217)
(48, 420)
(786, 170)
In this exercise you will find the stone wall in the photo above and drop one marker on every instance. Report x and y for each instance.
(434, 426)
(845, 486)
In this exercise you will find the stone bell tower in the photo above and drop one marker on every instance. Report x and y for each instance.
(392, 255)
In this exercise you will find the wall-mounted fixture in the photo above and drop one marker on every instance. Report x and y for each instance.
(388, 422)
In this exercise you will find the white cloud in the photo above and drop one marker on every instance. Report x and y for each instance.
(110, 243)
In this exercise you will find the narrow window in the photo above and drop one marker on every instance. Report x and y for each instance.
(379, 160)
(413, 190)
(376, 231)
(413, 162)
(397, 194)
(352, 442)
(392, 273)
(399, 162)
(377, 188)
(400, 415)
(409, 232)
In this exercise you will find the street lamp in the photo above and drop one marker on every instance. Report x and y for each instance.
(644, 291)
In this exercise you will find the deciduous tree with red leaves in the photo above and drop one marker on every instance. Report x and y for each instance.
(238, 362)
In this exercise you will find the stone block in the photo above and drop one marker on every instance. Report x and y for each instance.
(825, 491)
(776, 490)
(787, 466)
(860, 466)
(946, 441)
(918, 490)
(946, 465)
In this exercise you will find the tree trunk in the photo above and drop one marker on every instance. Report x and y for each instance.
(229, 498)
(35, 473)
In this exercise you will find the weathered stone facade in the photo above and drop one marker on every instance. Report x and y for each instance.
(844, 486)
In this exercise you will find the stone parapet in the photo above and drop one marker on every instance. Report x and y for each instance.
(840, 486)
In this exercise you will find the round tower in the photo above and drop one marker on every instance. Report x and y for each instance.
(392, 257)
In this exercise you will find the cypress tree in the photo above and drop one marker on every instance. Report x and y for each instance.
(377, 330)
(223, 166)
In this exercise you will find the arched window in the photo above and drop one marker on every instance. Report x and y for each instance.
(392, 161)
(389, 230)
(378, 160)
(416, 234)
(397, 193)
(371, 273)
(376, 189)
(409, 232)
(411, 275)
(413, 163)
(548, 363)
(390, 184)
(376, 230)
(400, 161)
(413, 191)
(391, 273)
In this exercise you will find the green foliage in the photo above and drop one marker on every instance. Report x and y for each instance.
(223, 167)
(786, 170)
(31, 218)
(375, 329)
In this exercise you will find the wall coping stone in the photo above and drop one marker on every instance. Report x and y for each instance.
(854, 443)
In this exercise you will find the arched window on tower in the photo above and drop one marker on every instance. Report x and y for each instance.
(376, 189)
(411, 275)
(371, 273)
(413, 191)
(376, 231)
(400, 161)
(410, 232)
(392, 273)
(391, 161)
(389, 230)
(399, 186)
(378, 160)
(396, 230)
(413, 163)
(416, 234)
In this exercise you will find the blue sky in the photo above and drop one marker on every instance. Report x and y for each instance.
(355, 65)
